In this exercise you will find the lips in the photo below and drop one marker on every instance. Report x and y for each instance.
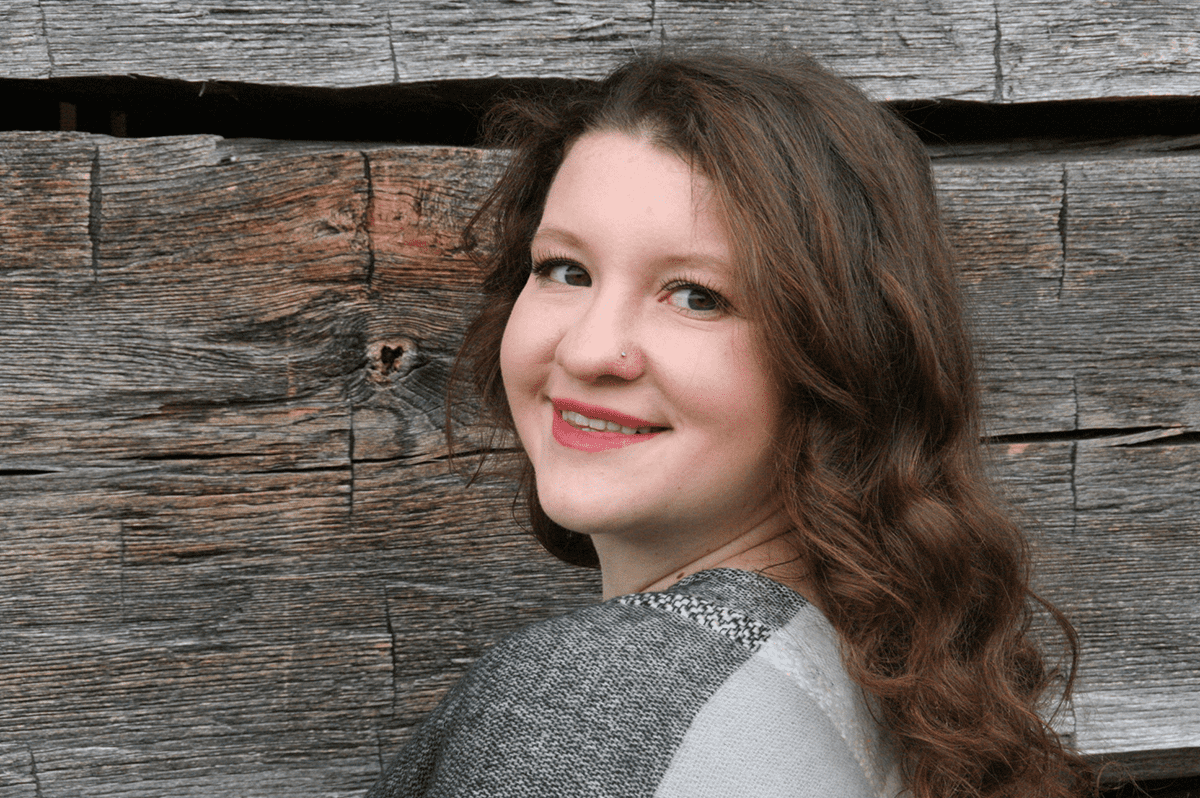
(601, 413)
(595, 440)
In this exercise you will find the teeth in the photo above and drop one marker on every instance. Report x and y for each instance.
(583, 422)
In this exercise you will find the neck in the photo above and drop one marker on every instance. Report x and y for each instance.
(763, 547)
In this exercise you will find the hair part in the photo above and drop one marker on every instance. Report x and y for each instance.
(834, 221)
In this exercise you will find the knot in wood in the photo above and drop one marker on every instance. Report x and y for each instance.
(398, 357)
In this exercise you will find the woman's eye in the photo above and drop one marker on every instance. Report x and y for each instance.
(696, 299)
(563, 271)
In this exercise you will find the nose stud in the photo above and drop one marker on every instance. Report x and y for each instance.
(622, 354)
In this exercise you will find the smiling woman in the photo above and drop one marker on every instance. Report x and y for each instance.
(615, 326)
(725, 328)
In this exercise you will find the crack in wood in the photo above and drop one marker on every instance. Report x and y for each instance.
(350, 447)
(1120, 436)
(121, 578)
(194, 554)
(387, 616)
(196, 457)
(33, 772)
(185, 456)
(1074, 489)
(1062, 275)
(46, 35)
(1176, 439)
(997, 49)
(1075, 399)
(368, 217)
(392, 48)
(310, 470)
(94, 200)
(379, 743)
(435, 458)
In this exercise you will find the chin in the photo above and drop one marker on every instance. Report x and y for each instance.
(584, 515)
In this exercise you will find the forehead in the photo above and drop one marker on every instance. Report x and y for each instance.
(624, 191)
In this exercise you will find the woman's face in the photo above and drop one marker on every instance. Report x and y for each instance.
(631, 321)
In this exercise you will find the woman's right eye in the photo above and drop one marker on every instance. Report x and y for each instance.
(567, 272)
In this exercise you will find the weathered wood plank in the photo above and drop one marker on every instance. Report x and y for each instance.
(205, 623)
(1067, 266)
(17, 771)
(1004, 223)
(24, 47)
(528, 39)
(136, 713)
(45, 213)
(1119, 551)
(892, 51)
(208, 308)
(297, 43)
(154, 541)
(1132, 243)
(421, 199)
(1012, 50)
(1092, 48)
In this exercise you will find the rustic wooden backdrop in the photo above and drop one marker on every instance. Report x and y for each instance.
(233, 559)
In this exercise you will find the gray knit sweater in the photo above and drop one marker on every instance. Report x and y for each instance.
(726, 684)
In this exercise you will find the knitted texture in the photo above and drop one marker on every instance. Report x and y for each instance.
(727, 683)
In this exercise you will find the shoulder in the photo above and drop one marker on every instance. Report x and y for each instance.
(689, 638)
(637, 665)
(631, 697)
(590, 703)
(789, 721)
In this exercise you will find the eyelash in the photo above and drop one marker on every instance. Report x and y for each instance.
(541, 269)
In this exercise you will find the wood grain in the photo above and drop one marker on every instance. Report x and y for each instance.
(236, 560)
(1133, 282)
(1065, 265)
(891, 50)
(1092, 48)
(1003, 51)
(204, 314)
(24, 46)
(1114, 520)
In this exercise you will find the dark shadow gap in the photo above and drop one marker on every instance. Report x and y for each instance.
(445, 112)
(449, 112)
(1170, 440)
(957, 122)
(1075, 435)
(1185, 787)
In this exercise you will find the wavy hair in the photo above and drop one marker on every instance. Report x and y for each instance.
(831, 209)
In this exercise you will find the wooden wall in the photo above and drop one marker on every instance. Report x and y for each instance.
(990, 50)
(233, 560)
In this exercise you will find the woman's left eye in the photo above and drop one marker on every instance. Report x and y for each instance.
(696, 299)
(561, 270)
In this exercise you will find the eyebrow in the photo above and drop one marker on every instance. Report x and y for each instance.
(569, 239)
(561, 236)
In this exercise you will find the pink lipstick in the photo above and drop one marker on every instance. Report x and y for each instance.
(595, 440)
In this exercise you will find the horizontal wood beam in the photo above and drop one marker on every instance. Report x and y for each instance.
(996, 51)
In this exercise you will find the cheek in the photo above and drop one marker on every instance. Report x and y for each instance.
(523, 350)
(753, 410)
(739, 395)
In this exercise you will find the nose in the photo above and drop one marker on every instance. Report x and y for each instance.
(603, 340)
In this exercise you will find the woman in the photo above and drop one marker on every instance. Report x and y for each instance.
(722, 322)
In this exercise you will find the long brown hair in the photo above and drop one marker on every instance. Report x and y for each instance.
(831, 208)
